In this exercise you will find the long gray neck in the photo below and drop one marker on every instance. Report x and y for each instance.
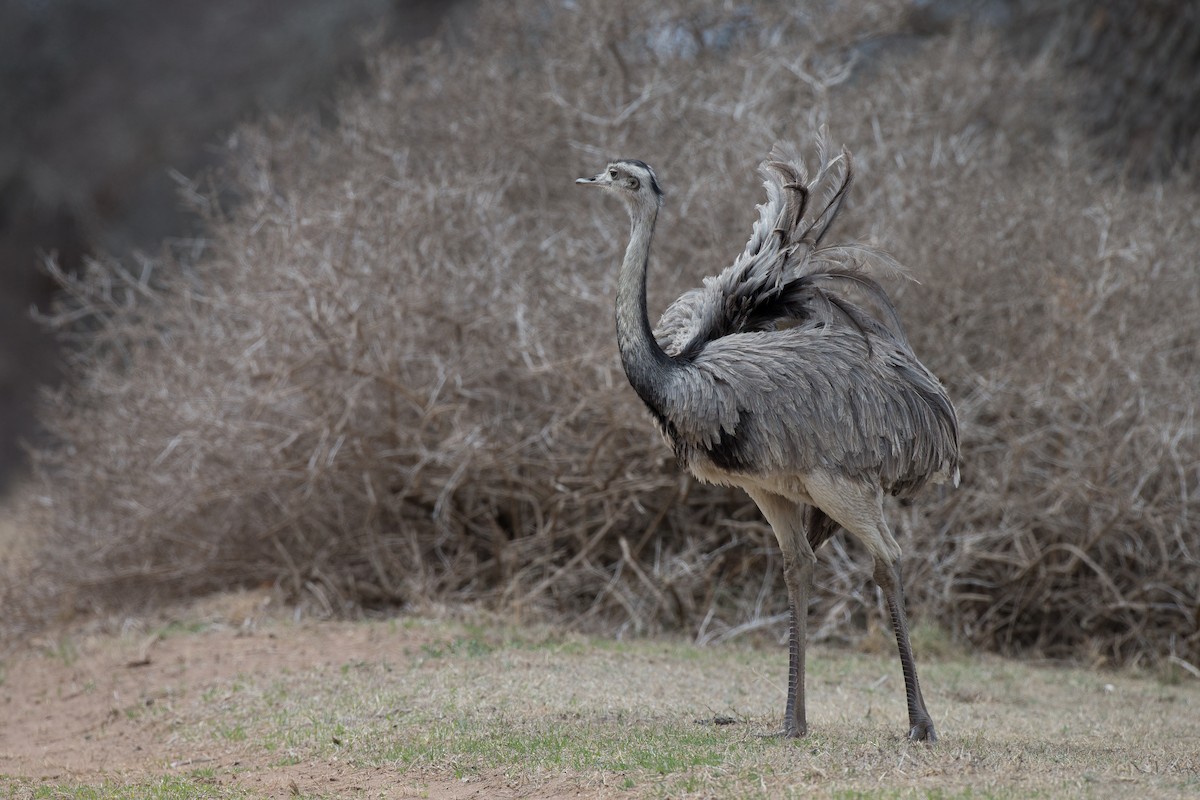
(646, 365)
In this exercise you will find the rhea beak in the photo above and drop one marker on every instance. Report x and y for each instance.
(598, 180)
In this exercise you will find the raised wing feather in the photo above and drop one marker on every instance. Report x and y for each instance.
(783, 277)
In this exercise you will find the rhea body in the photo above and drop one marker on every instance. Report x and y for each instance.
(788, 374)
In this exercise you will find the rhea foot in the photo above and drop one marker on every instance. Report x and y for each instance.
(787, 732)
(923, 732)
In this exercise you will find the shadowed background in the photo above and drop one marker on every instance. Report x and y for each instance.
(107, 105)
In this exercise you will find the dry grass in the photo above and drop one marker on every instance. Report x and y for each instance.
(389, 377)
(425, 708)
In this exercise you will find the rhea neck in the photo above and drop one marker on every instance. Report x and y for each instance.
(646, 365)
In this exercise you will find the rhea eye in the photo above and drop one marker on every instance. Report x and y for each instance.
(612, 173)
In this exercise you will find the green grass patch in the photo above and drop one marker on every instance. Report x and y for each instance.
(479, 745)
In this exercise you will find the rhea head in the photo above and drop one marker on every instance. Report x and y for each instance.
(631, 180)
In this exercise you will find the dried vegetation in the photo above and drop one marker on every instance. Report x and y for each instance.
(388, 375)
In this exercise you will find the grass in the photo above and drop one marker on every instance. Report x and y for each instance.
(486, 705)
(527, 708)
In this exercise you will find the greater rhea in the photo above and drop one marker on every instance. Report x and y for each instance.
(789, 375)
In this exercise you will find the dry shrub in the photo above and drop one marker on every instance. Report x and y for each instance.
(390, 377)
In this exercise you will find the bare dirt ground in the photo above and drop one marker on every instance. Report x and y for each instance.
(67, 702)
(70, 704)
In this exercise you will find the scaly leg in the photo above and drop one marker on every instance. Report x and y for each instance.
(787, 521)
(798, 576)
(919, 721)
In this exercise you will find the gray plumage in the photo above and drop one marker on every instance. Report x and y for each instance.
(789, 374)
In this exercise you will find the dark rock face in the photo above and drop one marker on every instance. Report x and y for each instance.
(102, 98)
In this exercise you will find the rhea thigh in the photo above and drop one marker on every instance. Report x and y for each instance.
(858, 507)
